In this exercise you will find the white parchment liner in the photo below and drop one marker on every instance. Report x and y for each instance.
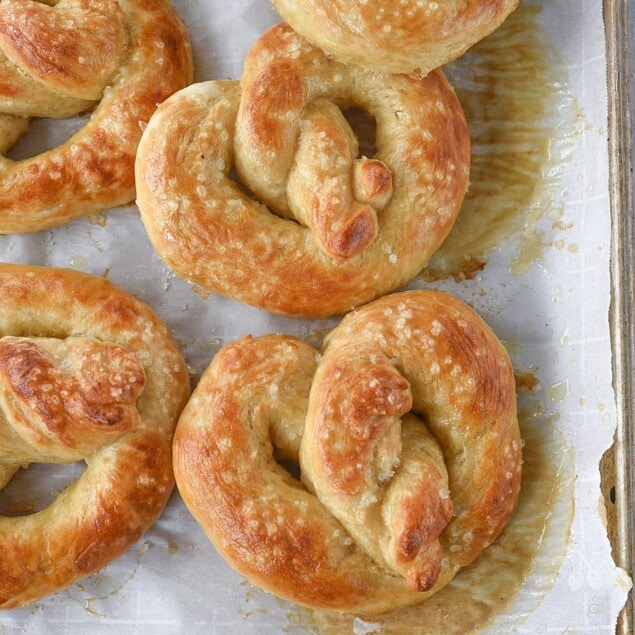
(545, 290)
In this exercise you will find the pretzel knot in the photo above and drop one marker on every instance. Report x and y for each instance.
(87, 373)
(339, 229)
(120, 57)
(411, 36)
(406, 437)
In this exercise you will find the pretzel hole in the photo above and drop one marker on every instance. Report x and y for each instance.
(365, 129)
(36, 487)
(291, 467)
(45, 134)
(233, 176)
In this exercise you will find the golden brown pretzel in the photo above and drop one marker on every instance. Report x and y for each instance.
(56, 61)
(87, 372)
(409, 36)
(362, 228)
(407, 440)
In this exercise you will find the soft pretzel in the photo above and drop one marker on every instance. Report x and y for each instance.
(409, 36)
(87, 372)
(339, 230)
(406, 436)
(126, 56)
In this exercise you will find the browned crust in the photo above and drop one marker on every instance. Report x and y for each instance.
(268, 527)
(77, 61)
(75, 337)
(463, 385)
(90, 524)
(94, 169)
(87, 388)
(302, 544)
(211, 233)
(409, 37)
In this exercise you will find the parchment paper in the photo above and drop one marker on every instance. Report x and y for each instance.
(545, 291)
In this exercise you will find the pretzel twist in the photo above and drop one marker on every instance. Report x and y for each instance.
(87, 372)
(122, 57)
(406, 436)
(409, 36)
(339, 230)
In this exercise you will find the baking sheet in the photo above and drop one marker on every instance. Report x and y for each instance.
(617, 464)
(543, 285)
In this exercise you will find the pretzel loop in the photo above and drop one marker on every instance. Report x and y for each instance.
(406, 436)
(88, 373)
(296, 151)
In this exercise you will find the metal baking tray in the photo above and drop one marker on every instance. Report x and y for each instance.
(617, 465)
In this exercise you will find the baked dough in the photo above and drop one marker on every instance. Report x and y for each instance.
(121, 57)
(87, 372)
(406, 436)
(338, 231)
(409, 36)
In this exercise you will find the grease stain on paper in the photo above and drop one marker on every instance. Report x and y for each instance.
(110, 585)
(559, 391)
(523, 124)
(528, 553)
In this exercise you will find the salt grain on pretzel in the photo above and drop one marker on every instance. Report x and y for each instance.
(87, 372)
(402, 36)
(122, 57)
(406, 436)
(339, 229)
